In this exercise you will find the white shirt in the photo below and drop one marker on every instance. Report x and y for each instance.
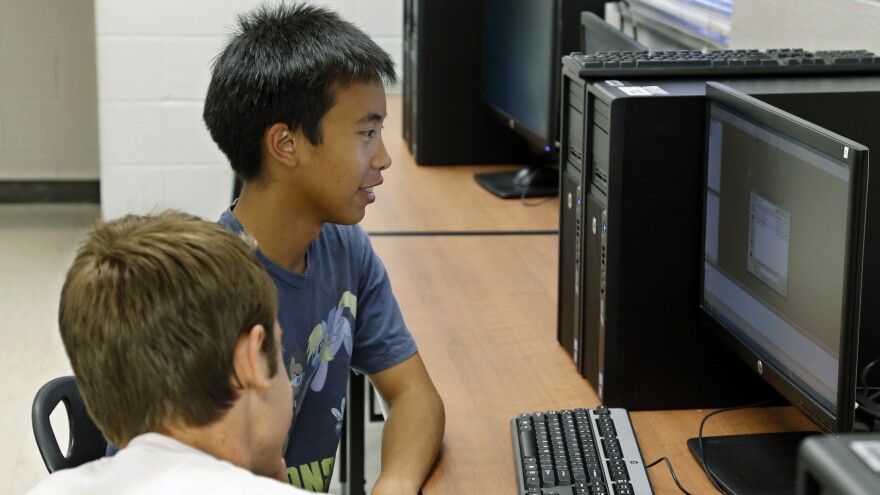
(156, 464)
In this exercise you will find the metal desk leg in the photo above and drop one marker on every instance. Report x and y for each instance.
(342, 463)
(352, 481)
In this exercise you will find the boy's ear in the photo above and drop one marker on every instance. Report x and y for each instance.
(249, 362)
(280, 144)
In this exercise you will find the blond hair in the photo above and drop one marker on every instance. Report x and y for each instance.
(150, 313)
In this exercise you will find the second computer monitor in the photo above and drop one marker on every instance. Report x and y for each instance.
(783, 240)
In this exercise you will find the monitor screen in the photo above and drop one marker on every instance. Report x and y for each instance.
(784, 221)
(521, 62)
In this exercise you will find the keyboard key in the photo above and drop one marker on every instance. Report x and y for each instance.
(533, 482)
(548, 478)
(563, 477)
(619, 474)
(623, 489)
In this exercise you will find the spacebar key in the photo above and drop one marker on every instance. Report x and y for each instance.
(671, 64)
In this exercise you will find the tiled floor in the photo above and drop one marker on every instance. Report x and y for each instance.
(37, 244)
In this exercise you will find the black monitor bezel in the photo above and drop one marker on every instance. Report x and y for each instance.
(598, 25)
(536, 141)
(841, 421)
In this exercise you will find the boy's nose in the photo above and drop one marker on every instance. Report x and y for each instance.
(382, 160)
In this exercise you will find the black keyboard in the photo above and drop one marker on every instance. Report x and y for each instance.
(579, 452)
(727, 63)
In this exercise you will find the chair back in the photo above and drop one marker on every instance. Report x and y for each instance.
(86, 441)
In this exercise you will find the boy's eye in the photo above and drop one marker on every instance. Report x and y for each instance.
(369, 133)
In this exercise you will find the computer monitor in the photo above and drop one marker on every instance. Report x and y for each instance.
(599, 36)
(522, 43)
(783, 237)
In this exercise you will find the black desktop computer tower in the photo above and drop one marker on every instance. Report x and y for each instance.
(631, 169)
(445, 121)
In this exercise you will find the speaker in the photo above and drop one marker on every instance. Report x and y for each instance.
(844, 464)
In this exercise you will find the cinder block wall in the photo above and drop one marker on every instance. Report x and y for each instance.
(153, 63)
(140, 68)
(48, 110)
(809, 24)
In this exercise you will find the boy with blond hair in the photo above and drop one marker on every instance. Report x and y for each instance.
(170, 326)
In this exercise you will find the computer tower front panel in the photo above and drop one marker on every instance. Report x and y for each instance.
(410, 13)
(570, 278)
(595, 303)
(571, 167)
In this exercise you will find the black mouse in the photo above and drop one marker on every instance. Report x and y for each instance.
(534, 177)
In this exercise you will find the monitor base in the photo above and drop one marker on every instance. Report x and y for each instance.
(502, 185)
(759, 464)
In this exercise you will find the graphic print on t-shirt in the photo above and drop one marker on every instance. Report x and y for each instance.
(325, 341)
(329, 339)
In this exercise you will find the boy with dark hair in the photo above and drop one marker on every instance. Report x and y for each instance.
(296, 103)
(169, 324)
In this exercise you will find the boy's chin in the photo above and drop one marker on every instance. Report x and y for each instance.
(351, 218)
(272, 467)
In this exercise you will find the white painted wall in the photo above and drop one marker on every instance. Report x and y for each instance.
(153, 66)
(809, 24)
(48, 110)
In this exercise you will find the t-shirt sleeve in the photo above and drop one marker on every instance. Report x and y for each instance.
(381, 338)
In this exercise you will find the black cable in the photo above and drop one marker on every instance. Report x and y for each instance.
(534, 203)
(868, 406)
(863, 379)
(866, 396)
(672, 471)
(532, 175)
(706, 468)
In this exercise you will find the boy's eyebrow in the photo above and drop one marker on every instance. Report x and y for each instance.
(371, 117)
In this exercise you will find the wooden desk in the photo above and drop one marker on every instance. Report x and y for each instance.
(483, 310)
(445, 198)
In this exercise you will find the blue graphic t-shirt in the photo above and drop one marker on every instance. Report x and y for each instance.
(341, 314)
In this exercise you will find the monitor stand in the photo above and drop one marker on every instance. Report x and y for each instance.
(501, 184)
(759, 464)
